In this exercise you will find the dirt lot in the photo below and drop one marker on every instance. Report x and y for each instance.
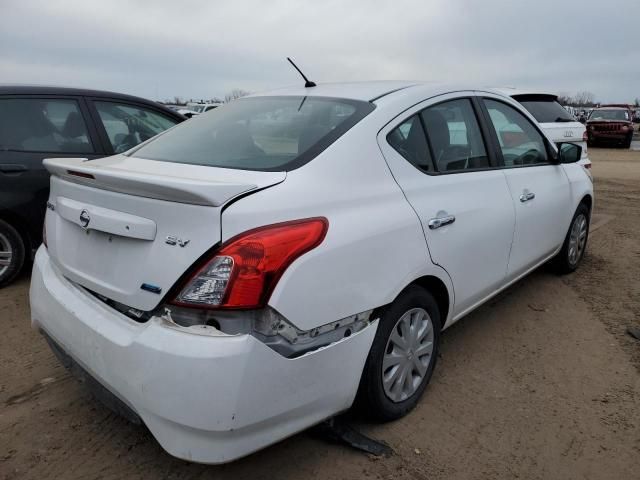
(542, 383)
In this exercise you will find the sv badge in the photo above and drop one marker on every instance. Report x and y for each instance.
(173, 241)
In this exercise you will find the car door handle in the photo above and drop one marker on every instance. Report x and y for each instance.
(526, 196)
(442, 221)
(12, 168)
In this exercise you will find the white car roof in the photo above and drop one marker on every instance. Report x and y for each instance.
(353, 90)
(370, 91)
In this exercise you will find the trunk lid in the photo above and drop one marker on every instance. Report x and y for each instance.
(128, 228)
(566, 132)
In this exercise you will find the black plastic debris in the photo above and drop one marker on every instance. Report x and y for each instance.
(634, 332)
(337, 429)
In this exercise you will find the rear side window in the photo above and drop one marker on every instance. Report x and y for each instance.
(43, 125)
(454, 136)
(128, 125)
(409, 140)
(453, 140)
(259, 133)
(545, 110)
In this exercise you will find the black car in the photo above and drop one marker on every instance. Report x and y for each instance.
(44, 122)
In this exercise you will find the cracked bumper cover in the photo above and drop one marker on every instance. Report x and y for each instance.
(208, 399)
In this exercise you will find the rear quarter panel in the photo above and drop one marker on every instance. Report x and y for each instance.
(374, 245)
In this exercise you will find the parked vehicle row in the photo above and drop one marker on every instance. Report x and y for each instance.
(192, 109)
(258, 269)
(48, 122)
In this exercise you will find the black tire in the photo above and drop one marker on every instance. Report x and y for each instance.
(563, 262)
(10, 237)
(372, 399)
(627, 143)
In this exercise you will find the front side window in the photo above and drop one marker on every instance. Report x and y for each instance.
(128, 125)
(520, 142)
(43, 125)
(259, 133)
(454, 136)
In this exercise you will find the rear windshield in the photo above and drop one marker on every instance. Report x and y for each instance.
(258, 133)
(546, 110)
(609, 115)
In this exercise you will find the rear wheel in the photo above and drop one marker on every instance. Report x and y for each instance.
(403, 355)
(575, 243)
(12, 252)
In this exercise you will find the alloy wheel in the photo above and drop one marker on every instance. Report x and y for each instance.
(577, 239)
(407, 356)
(6, 254)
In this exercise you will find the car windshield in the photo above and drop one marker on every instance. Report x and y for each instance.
(258, 133)
(546, 110)
(609, 115)
(196, 108)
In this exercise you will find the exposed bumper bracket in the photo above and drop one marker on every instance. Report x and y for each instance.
(339, 430)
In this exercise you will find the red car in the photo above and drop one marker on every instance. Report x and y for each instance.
(610, 124)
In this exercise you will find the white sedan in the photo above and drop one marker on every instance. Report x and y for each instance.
(253, 271)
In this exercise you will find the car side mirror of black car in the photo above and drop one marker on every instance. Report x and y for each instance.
(569, 152)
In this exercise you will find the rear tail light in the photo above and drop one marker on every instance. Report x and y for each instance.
(585, 137)
(244, 272)
(587, 165)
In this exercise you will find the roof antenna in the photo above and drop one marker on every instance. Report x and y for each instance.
(307, 83)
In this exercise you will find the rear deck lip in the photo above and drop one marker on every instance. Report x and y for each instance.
(140, 177)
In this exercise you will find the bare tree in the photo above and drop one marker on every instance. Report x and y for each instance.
(565, 99)
(235, 94)
(636, 102)
(178, 100)
(584, 99)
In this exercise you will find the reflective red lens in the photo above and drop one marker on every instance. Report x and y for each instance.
(260, 257)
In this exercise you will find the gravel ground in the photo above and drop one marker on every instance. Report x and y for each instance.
(542, 382)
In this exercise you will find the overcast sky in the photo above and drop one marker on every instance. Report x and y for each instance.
(199, 49)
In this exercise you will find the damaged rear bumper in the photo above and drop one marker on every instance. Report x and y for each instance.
(205, 398)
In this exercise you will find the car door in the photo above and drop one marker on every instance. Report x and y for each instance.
(450, 177)
(540, 189)
(123, 125)
(33, 128)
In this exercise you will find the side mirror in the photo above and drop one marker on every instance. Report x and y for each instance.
(569, 152)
